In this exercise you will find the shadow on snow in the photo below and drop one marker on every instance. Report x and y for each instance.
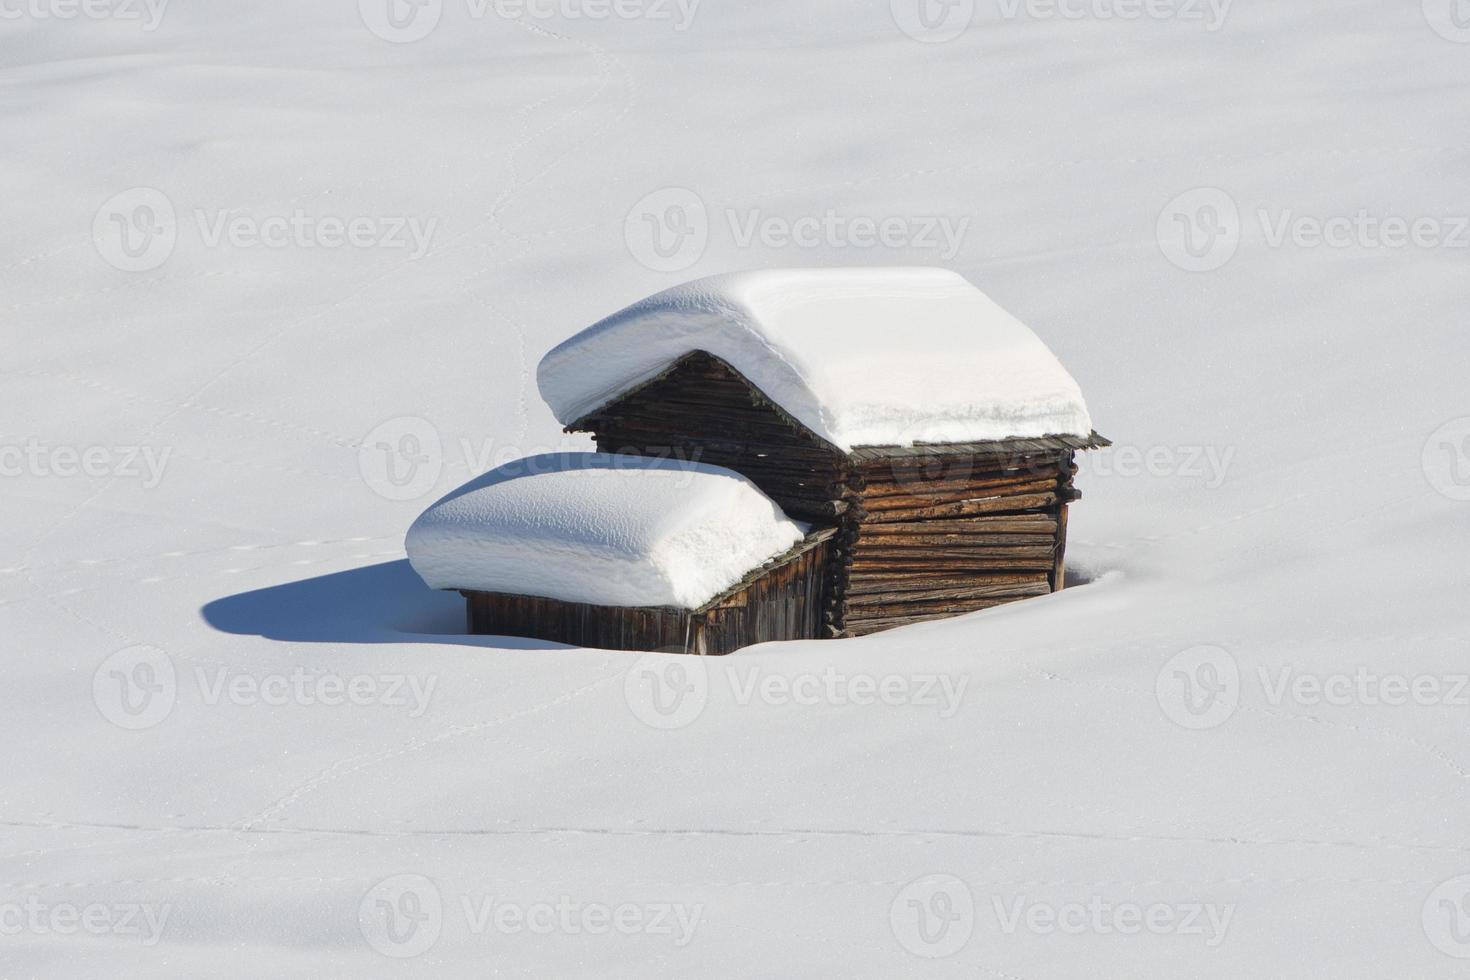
(385, 603)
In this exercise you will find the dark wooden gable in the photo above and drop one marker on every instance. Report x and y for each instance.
(701, 409)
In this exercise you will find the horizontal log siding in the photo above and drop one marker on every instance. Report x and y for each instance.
(703, 411)
(952, 534)
(920, 532)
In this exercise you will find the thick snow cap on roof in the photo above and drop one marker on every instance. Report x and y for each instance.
(862, 357)
(602, 529)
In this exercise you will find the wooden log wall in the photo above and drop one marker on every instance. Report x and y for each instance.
(917, 537)
(949, 534)
(787, 602)
(704, 412)
(783, 600)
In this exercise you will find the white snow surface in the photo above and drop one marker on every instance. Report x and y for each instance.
(1288, 486)
(609, 530)
(861, 356)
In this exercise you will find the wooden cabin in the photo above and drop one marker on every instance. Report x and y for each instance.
(625, 553)
(949, 497)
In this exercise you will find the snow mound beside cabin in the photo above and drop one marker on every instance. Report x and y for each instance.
(602, 529)
(862, 357)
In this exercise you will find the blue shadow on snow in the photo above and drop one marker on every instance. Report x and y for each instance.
(384, 603)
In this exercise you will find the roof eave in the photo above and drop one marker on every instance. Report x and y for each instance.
(1049, 443)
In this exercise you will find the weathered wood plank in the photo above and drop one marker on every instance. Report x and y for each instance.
(950, 593)
(1034, 524)
(882, 479)
(876, 505)
(942, 541)
(988, 505)
(863, 582)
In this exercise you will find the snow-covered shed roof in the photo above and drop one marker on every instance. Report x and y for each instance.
(861, 357)
(601, 529)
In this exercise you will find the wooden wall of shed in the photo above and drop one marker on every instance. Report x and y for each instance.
(786, 603)
(948, 534)
(702, 411)
(578, 623)
(781, 602)
(918, 537)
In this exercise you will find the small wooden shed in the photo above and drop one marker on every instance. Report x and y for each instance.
(934, 434)
(625, 553)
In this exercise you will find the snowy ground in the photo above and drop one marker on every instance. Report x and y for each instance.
(242, 739)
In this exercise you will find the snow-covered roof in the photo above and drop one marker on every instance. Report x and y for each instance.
(602, 529)
(862, 357)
